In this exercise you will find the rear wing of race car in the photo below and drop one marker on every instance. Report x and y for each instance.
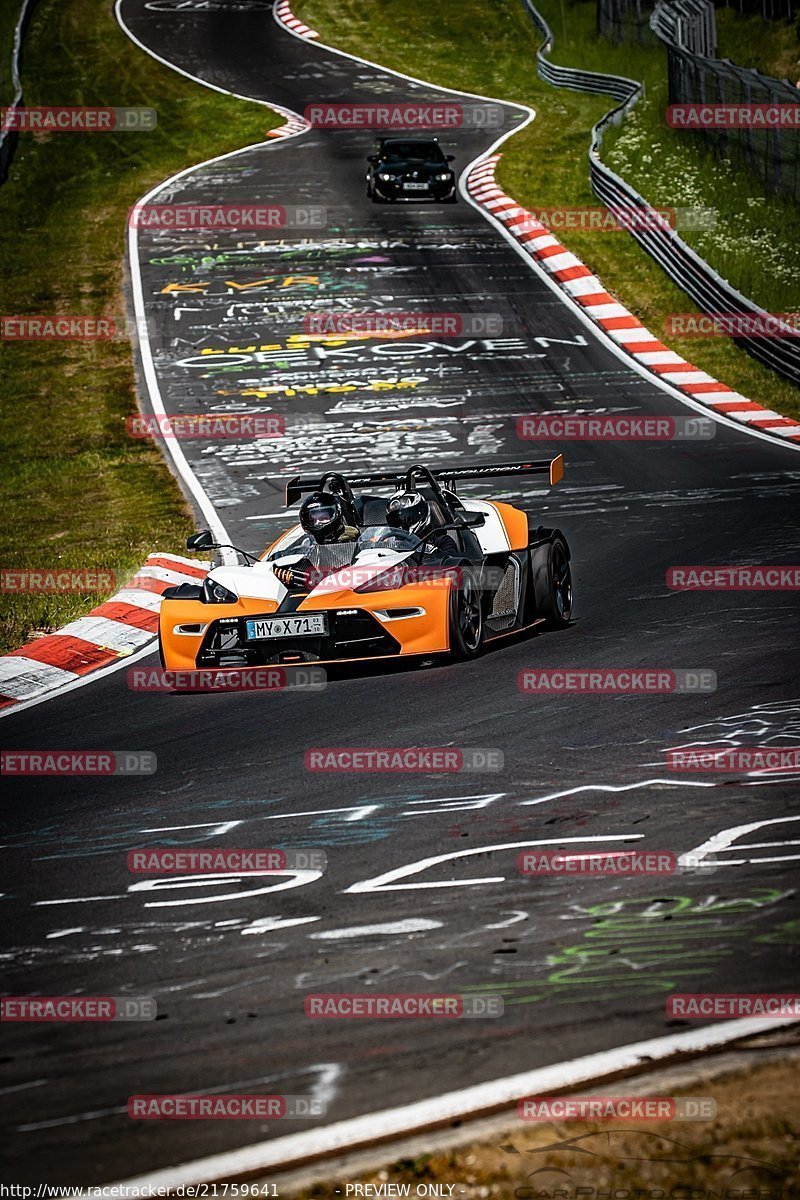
(299, 485)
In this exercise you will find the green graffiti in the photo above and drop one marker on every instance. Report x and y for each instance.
(650, 946)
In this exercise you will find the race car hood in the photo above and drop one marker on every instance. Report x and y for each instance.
(259, 582)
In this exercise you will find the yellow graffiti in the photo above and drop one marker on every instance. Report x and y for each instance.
(200, 286)
(302, 341)
(263, 393)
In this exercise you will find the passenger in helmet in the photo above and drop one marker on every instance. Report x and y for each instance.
(412, 512)
(322, 516)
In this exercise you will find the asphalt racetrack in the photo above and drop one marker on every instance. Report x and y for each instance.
(583, 964)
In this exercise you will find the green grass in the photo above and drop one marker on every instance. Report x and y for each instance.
(546, 165)
(771, 47)
(756, 242)
(75, 490)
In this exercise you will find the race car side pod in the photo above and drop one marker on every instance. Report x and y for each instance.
(298, 485)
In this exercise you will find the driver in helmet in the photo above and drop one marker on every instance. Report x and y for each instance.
(323, 520)
(412, 512)
(322, 516)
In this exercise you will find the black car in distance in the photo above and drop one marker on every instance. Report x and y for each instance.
(410, 168)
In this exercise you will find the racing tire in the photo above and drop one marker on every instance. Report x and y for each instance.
(161, 658)
(552, 581)
(466, 617)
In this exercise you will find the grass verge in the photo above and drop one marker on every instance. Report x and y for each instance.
(747, 1152)
(771, 47)
(75, 490)
(546, 165)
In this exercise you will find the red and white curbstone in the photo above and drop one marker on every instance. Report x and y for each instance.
(294, 123)
(587, 292)
(114, 630)
(285, 16)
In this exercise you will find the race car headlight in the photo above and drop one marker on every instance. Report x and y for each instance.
(445, 175)
(217, 593)
(386, 178)
(386, 581)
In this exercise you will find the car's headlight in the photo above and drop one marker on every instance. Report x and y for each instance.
(387, 581)
(217, 593)
(445, 175)
(386, 178)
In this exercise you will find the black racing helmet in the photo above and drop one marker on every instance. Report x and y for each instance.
(322, 515)
(409, 511)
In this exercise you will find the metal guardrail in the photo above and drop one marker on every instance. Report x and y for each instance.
(690, 24)
(696, 77)
(10, 137)
(710, 292)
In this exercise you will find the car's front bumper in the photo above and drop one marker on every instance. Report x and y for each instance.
(394, 191)
(410, 621)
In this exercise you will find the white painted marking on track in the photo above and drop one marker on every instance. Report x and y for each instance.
(726, 837)
(268, 924)
(217, 827)
(617, 787)
(410, 925)
(384, 882)
(517, 915)
(391, 1123)
(297, 879)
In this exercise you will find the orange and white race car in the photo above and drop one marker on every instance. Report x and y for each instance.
(385, 593)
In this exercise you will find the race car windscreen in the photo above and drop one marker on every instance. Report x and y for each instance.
(418, 151)
(384, 537)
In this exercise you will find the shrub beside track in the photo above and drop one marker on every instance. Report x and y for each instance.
(75, 490)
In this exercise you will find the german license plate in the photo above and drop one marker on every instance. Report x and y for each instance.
(415, 187)
(308, 625)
